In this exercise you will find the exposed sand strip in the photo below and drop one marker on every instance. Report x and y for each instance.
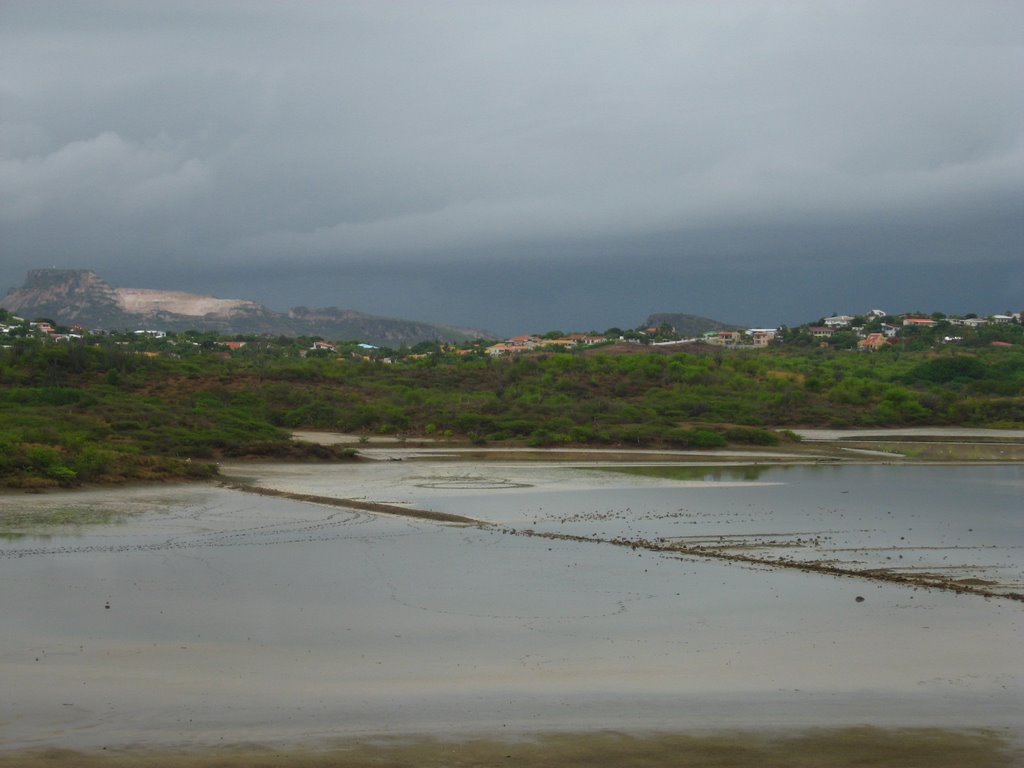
(367, 506)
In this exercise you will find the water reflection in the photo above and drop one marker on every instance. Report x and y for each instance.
(713, 473)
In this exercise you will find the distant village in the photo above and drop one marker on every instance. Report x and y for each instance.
(874, 330)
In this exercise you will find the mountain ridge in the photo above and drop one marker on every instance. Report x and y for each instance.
(82, 297)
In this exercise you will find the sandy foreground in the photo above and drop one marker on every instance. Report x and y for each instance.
(244, 630)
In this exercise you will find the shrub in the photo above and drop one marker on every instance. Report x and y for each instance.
(705, 438)
(751, 436)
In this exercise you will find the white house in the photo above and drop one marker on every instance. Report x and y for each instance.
(838, 321)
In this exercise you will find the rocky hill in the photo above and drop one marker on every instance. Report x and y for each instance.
(688, 326)
(68, 296)
(81, 297)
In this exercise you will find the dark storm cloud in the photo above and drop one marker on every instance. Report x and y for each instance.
(193, 141)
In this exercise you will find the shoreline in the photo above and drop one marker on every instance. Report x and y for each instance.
(951, 446)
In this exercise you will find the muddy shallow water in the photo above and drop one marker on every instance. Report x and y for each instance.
(209, 615)
(959, 524)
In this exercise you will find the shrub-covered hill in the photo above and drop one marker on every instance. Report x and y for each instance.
(74, 413)
(687, 325)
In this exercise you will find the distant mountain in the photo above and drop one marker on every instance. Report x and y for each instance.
(688, 326)
(81, 297)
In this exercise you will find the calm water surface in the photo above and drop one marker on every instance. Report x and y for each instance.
(216, 614)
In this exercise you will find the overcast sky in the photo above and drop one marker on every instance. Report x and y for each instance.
(522, 165)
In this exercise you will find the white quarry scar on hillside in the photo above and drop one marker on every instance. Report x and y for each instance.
(144, 301)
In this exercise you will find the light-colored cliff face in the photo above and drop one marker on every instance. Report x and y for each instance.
(143, 301)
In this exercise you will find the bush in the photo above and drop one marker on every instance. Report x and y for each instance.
(705, 438)
(949, 370)
(751, 436)
(540, 437)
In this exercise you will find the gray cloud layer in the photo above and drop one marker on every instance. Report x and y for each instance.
(191, 140)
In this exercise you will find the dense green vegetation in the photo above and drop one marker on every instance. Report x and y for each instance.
(77, 412)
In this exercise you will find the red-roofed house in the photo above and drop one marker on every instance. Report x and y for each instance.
(873, 341)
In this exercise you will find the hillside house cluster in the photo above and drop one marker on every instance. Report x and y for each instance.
(883, 333)
(751, 337)
(15, 325)
(518, 344)
(871, 329)
(18, 325)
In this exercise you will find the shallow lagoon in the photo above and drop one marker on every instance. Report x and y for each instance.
(238, 617)
(961, 522)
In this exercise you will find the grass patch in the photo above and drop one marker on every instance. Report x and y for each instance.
(20, 522)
